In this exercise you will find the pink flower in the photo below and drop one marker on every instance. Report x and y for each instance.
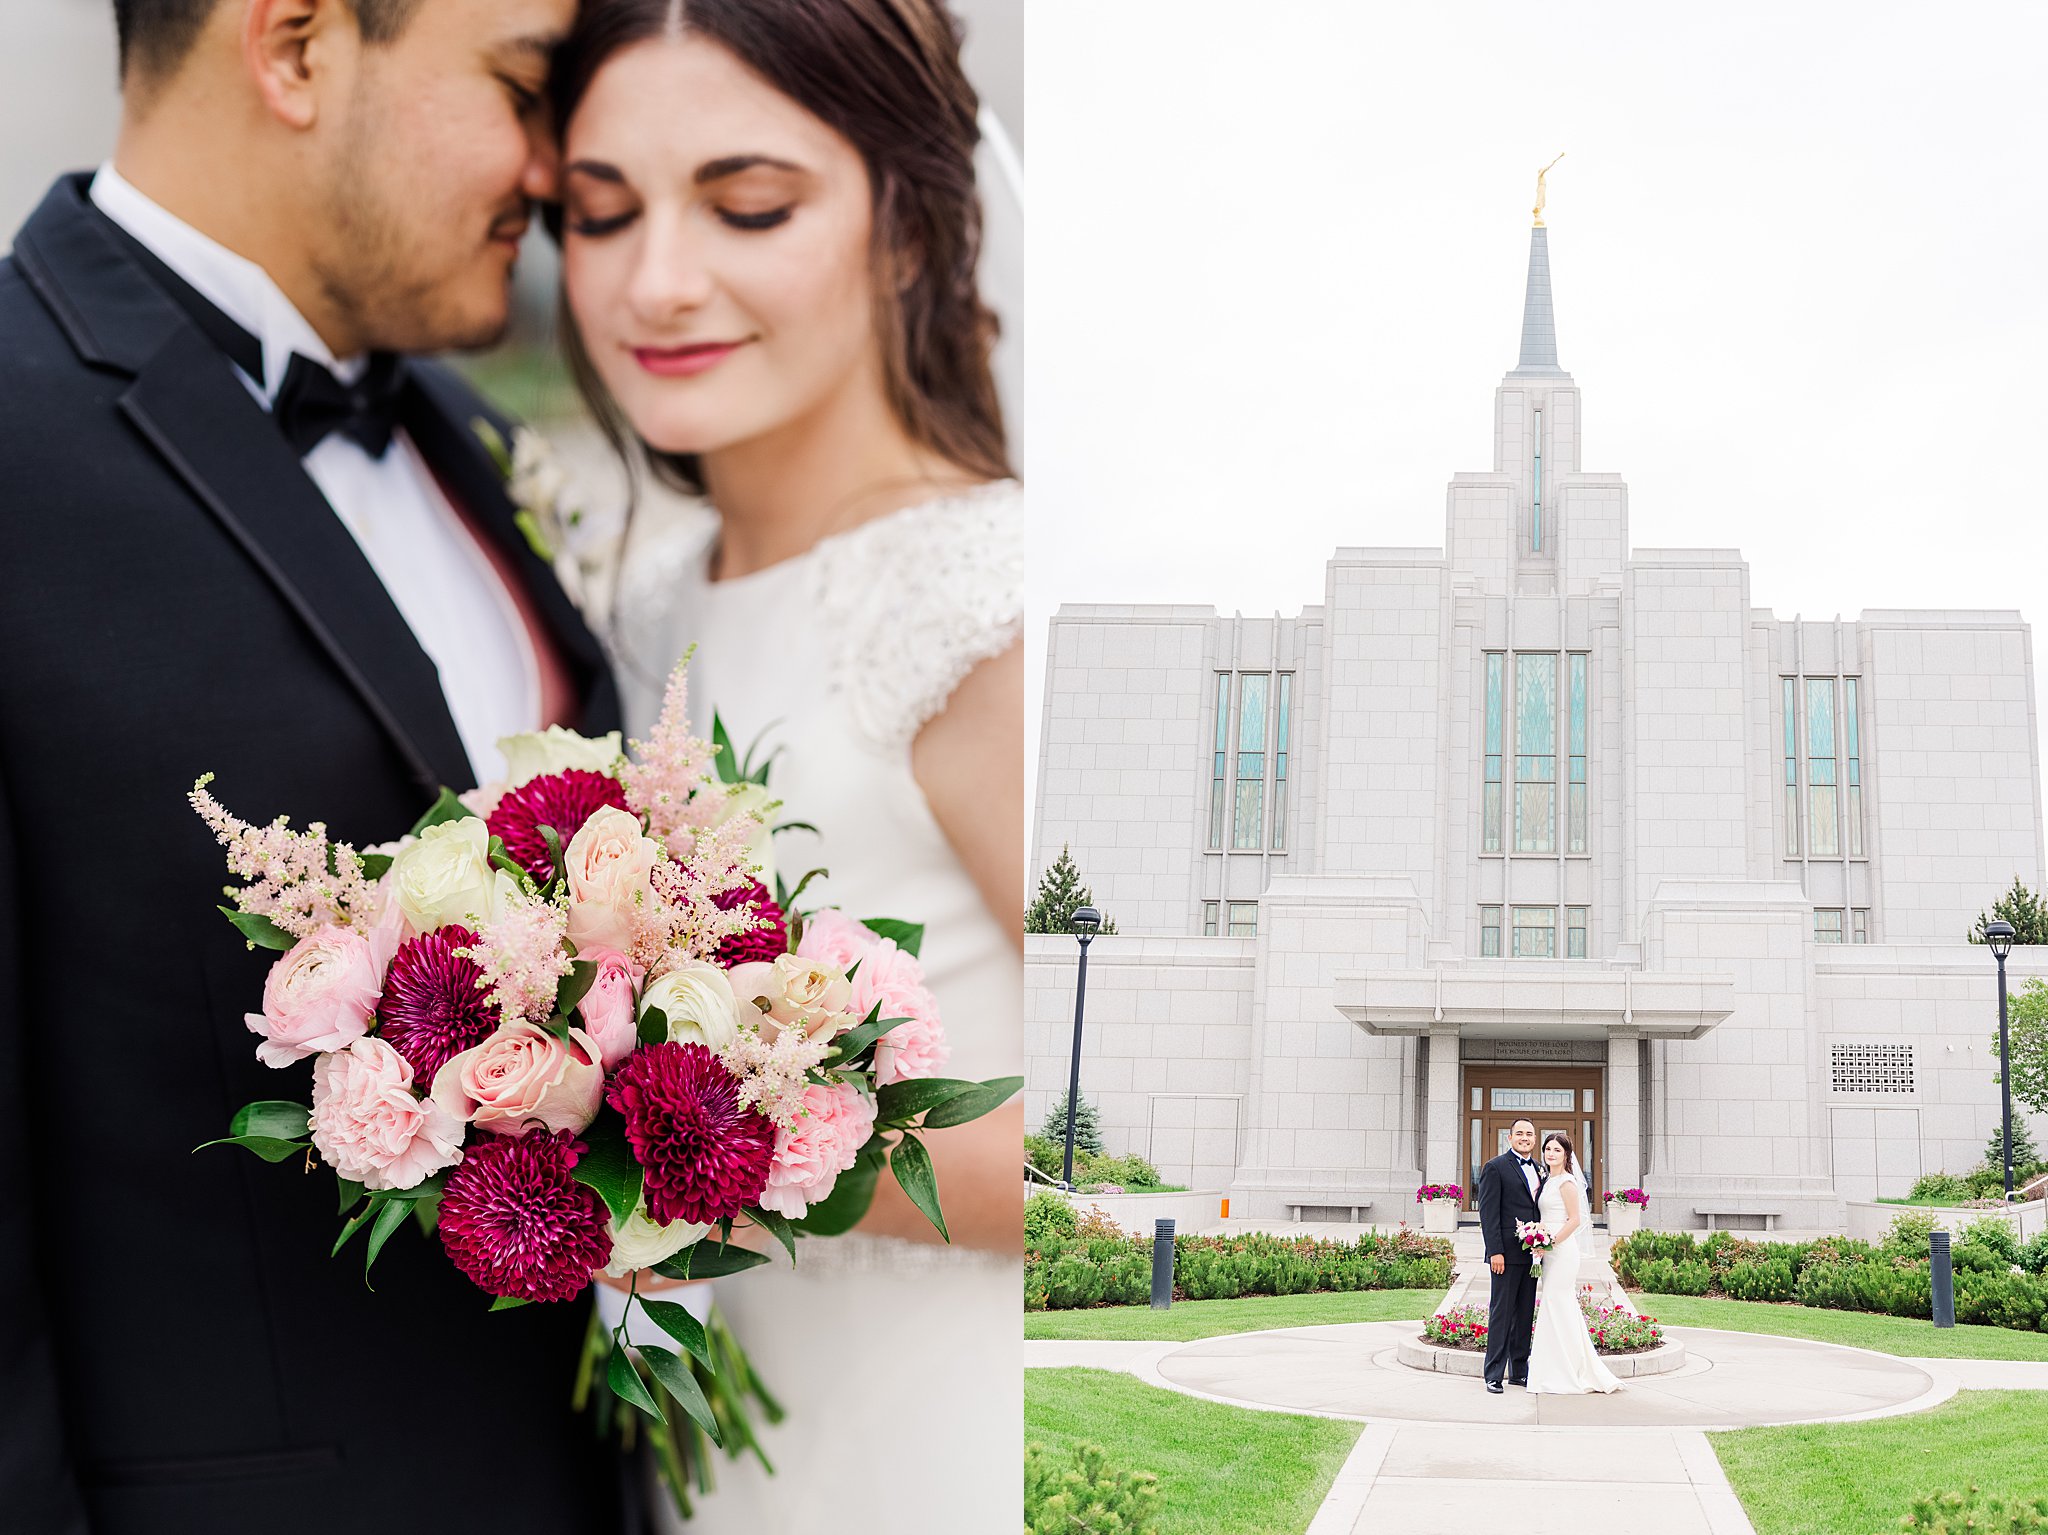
(370, 1126)
(811, 1154)
(835, 938)
(318, 997)
(673, 767)
(766, 942)
(516, 1222)
(523, 1078)
(894, 980)
(704, 1154)
(609, 863)
(563, 801)
(607, 1008)
(794, 992)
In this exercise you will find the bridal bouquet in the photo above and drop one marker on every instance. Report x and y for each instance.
(563, 1026)
(1534, 1239)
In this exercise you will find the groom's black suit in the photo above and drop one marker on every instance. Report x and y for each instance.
(178, 1353)
(1504, 1199)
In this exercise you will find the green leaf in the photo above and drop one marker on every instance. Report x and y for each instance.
(427, 1212)
(972, 1105)
(777, 1225)
(494, 444)
(507, 1302)
(529, 526)
(259, 930)
(575, 986)
(282, 1121)
(653, 1026)
(783, 826)
(361, 1219)
(904, 1101)
(863, 1034)
(375, 865)
(908, 936)
(800, 884)
(709, 1260)
(912, 1165)
(557, 859)
(841, 1210)
(727, 759)
(268, 1147)
(677, 1322)
(626, 1385)
(350, 1193)
(500, 859)
(391, 1214)
(678, 1382)
(446, 808)
(608, 1165)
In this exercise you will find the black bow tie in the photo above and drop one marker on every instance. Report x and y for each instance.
(1525, 1161)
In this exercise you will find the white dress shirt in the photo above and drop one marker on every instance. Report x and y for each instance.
(441, 582)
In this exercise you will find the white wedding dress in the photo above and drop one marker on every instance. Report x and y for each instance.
(1561, 1357)
(896, 1361)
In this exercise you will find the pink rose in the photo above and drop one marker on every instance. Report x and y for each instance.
(320, 996)
(521, 1078)
(793, 992)
(811, 1154)
(609, 862)
(607, 1008)
(835, 938)
(371, 1127)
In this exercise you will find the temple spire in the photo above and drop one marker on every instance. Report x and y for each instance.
(1539, 321)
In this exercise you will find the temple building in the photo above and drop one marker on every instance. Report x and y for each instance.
(1536, 823)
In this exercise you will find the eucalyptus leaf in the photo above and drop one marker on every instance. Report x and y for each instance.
(908, 936)
(268, 1147)
(972, 1105)
(912, 1165)
(777, 1225)
(278, 1120)
(678, 1382)
(507, 1302)
(843, 1209)
(677, 1322)
(607, 1165)
(899, 1102)
(259, 930)
(391, 1214)
(446, 808)
(709, 1260)
(627, 1386)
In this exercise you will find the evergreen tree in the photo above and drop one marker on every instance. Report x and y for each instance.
(1087, 1126)
(1060, 895)
(2023, 1152)
(2026, 911)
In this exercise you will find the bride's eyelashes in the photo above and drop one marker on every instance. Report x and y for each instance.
(597, 228)
(769, 220)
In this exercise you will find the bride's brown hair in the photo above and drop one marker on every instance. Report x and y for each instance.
(1564, 1140)
(885, 75)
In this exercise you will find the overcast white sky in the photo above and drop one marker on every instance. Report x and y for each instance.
(1277, 258)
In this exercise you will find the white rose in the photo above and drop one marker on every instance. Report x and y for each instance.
(640, 1241)
(446, 876)
(753, 799)
(555, 750)
(698, 1002)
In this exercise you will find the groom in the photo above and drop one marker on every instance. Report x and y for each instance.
(1508, 1186)
(243, 534)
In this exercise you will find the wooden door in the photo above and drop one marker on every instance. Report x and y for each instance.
(1567, 1098)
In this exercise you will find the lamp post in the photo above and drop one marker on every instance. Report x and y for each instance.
(1999, 936)
(1086, 923)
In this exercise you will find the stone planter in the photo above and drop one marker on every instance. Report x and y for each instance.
(1440, 1216)
(1624, 1220)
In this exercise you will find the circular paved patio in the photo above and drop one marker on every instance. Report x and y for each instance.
(1730, 1380)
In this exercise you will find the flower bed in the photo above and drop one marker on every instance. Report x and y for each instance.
(1087, 1260)
(1614, 1329)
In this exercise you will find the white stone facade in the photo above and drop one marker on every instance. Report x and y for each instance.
(1659, 935)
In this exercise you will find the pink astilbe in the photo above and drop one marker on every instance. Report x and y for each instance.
(523, 957)
(671, 766)
(686, 920)
(299, 880)
(773, 1076)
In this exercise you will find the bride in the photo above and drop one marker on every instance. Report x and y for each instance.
(1561, 1357)
(770, 234)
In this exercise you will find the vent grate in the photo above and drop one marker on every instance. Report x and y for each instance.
(1873, 1068)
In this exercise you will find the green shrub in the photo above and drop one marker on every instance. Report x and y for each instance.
(1037, 1288)
(1661, 1276)
(1945, 1186)
(1630, 1255)
(1994, 1237)
(1972, 1258)
(1836, 1252)
(2017, 1301)
(1763, 1279)
(1071, 1280)
(1987, 1182)
(2034, 1254)
(1827, 1285)
(1045, 1154)
(1081, 1494)
(1724, 1250)
(1123, 1171)
(1952, 1513)
(1209, 1275)
(1047, 1215)
(1908, 1236)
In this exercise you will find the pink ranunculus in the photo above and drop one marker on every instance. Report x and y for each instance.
(371, 1127)
(523, 1078)
(609, 862)
(811, 1154)
(607, 1008)
(836, 938)
(320, 996)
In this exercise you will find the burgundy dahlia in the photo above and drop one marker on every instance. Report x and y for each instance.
(764, 943)
(516, 1223)
(562, 800)
(705, 1157)
(432, 1009)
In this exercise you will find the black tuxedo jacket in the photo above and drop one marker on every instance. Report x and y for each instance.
(1504, 1199)
(177, 1350)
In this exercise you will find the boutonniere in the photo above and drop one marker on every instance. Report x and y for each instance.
(537, 486)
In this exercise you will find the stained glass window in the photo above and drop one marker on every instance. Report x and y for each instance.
(1490, 802)
(1576, 810)
(1489, 932)
(1535, 753)
(1209, 909)
(1575, 932)
(1823, 838)
(1244, 919)
(1853, 811)
(1249, 823)
(1860, 925)
(1280, 763)
(1222, 748)
(1791, 712)
(1535, 932)
(1827, 925)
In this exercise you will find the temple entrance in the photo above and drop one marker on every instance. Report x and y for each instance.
(1567, 1098)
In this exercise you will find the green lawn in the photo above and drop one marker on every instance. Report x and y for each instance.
(1854, 1478)
(1222, 1470)
(1885, 1334)
(1252, 1313)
